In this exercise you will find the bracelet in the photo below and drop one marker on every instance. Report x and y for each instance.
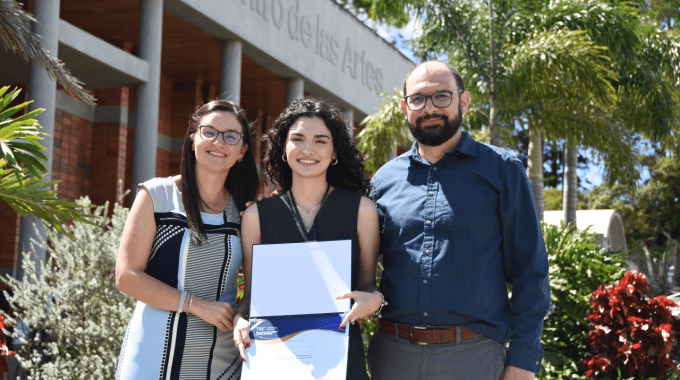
(245, 315)
(377, 313)
(191, 299)
(180, 308)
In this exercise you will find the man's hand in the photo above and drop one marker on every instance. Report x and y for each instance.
(514, 373)
(259, 198)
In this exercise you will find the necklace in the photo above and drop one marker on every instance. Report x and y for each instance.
(309, 234)
(313, 209)
(217, 203)
(310, 210)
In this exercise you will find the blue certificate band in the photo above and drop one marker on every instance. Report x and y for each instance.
(280, 329)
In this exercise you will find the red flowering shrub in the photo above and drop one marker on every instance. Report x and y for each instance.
(4, 351)
(629, 331)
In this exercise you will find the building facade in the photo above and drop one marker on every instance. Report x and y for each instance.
(151, 63)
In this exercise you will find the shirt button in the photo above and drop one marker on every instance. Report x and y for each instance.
(427, 251)
(429, 222)
(431, 192)
(434, 168)
(425, 313)
(424, 281)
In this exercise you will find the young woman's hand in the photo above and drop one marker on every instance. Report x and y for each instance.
(219, 314)
(242, 335)
(365, 303)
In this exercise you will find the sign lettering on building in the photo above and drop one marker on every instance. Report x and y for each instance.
(308, 31)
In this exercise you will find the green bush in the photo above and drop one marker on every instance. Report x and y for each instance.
(577, 267)
(68, 313)
(552, 199)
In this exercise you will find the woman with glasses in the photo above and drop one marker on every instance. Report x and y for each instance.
(180, 254)
(322, 196)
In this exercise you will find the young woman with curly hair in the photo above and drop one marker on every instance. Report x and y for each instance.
(323, 191)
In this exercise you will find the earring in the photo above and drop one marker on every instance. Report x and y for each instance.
(285, 159)
(334, 161)
(239, 160)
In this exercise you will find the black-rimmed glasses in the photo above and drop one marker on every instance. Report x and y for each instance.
(209, 133)
(440, 99)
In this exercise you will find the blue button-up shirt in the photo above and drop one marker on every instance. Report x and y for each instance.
(453, 234)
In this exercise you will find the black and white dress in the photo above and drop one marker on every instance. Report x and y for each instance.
(162, 344)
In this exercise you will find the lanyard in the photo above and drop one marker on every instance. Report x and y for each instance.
(298, 217)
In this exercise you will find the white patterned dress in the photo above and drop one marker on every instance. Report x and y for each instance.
(165, 345)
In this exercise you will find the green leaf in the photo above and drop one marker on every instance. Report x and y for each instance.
(383, 132)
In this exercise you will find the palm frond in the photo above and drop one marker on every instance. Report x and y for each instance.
(20, 138)
(32, 195)
(16, 34)
(608, 24)
(553, 65)
(383, 132)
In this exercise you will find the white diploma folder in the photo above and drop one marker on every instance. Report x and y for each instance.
(294, 316)
(300, 278)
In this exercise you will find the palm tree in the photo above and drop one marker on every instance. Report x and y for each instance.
(383, 132)
(22, 169)
(559, 69)
(21, 156)
(646, 104)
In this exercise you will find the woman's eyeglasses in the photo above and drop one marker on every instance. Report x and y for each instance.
(209, 133)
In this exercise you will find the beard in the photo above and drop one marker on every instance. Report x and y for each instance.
(436, 135)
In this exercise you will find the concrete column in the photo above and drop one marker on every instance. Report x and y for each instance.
(295, 88)
(43, 91)
(348, 116)
(230, 88)
(148, 94)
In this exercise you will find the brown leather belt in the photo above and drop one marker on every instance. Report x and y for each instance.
(426, 334)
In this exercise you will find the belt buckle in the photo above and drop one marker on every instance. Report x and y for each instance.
(410, 334)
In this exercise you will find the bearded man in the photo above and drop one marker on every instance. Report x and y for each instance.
(458, 223)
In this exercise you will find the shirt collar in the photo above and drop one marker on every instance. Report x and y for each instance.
(466, 146)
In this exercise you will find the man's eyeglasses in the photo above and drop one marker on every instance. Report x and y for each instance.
(441, 99)
(209, 133)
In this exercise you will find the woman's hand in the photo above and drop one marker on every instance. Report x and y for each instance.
(242, 335)
(365, 303)
(219, 314)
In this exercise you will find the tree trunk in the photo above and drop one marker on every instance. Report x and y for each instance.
(494, 131)
(535, 168)
(663, 273)
(651, 277)
(676, 271)
(570, 184)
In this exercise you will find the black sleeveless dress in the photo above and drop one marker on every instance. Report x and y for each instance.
(336, 220)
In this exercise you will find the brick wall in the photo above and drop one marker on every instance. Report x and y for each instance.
(71, 160)
(110, 140)
(9, 236)
(91, 157)
(166, 162)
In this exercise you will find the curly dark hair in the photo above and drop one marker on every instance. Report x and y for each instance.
(348, 173)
